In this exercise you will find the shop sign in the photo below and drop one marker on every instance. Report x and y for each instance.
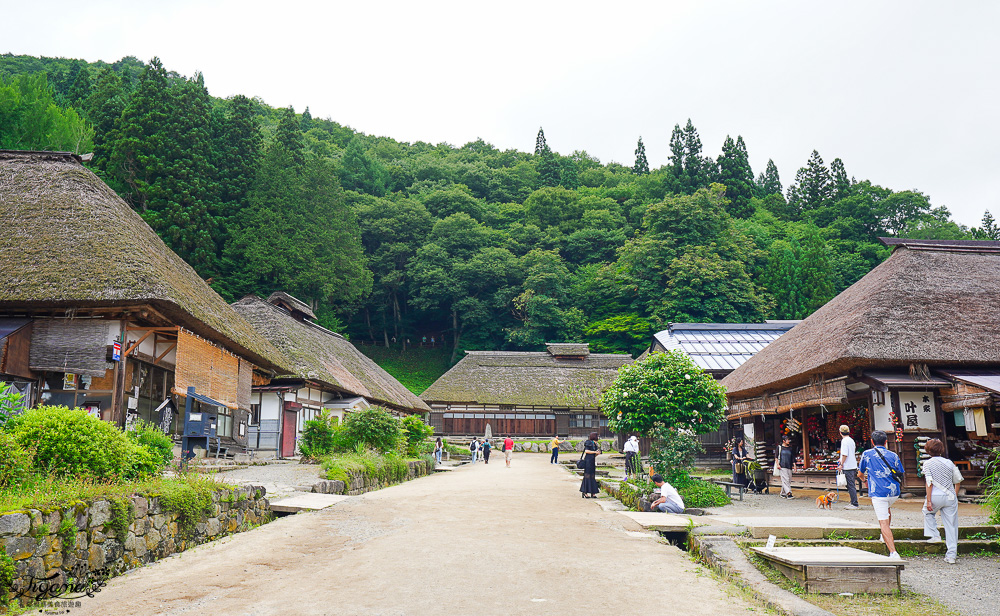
(116, 353)
(69, 381)
(917, 410)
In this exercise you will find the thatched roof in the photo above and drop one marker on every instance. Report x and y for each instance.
(70, 242)
(294, 304)
(317, 354)
(527, 379)
(930, 302)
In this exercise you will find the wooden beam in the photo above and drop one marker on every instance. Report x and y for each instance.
(164, 354)
(153, 329)
(136, 345)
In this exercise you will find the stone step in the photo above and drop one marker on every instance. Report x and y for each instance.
(903, 546)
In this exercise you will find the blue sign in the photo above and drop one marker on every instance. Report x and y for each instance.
(116, 354)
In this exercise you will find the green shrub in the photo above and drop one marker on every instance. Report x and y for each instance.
(702, 494)
(318, 436)
(15, 461)
(67, 533)
(190, 501)
(373, 427)
(673, 452)
(991, 483)
(70, 442)
(155, 441)
(416, 432)
(383, 469)
(7, 573)
(122, 515)
(10, 401)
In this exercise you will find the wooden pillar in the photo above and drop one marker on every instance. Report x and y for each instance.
(805, 443)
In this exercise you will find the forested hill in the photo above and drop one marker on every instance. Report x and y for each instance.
(470, 245)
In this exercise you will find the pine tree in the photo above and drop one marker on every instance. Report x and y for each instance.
(768, 183)
(813, 188)
(540, 145)
(568, 177)
(641, 166)
(694, 167)
(306, 123)
(735, 174)
(103, 108)
(989, 230)
(289, 135)
(360, 172)
(236, 153)
(841, 184)
(81, 88)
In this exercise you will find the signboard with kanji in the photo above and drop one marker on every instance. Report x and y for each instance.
(917, 410)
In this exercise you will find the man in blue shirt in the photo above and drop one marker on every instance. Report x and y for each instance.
(882, 487)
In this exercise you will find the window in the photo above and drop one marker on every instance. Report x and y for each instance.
(224, 425)
(254, 414)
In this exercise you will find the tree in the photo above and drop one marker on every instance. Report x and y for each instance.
(237, 149)
(541, 146)
(306, 122)
(841, 184)
(31, 120)
(103, 107)
(666, 389)
(543, 304)
(768, 182)
(989, 230)
(813, 188)
(288, 135)
(735, 174)
(362, 173)
(641, 166)
(549, 169)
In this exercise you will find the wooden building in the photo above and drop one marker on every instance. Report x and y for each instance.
(524, 393)
(326, 372)
(718, 349)
(913, 348)
(97, 312)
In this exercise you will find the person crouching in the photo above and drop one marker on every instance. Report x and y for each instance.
(670, 500)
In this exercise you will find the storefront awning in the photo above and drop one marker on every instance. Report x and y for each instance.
(986, 379)
(903, 379)
(821, 393)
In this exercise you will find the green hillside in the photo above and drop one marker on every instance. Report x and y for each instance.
(415, 368)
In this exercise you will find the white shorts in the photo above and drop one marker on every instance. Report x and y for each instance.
(881, 506)
(506, 454)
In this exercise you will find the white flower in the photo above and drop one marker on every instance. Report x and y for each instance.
(709, 405)
(687, 376)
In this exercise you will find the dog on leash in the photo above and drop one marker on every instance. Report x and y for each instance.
(826, 500)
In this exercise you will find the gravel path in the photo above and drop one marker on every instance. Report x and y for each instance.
(971, 586)
(279, 479)
(479, 540)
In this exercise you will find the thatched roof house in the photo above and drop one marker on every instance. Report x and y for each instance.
(566, 379)
(71, 243)
(930, 302)
(323, 357)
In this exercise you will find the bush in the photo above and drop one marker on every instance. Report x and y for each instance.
(70, 442)
(373, 427)
(673, 453)
(702, 494)
(416, 432)
(159, 445)
(317, 437)
(383, 469)
(190, 501)
(15, 461)
(991, 483)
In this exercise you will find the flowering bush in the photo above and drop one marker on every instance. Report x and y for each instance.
(665, 388)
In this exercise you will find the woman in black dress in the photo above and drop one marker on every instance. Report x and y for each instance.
(590, 451)
(740, 459)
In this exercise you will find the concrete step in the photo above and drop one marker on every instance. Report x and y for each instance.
(904, 546)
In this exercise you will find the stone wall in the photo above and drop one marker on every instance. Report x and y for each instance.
(359, 483)
(43, 544)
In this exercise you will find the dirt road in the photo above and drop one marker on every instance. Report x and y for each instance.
(477, 540)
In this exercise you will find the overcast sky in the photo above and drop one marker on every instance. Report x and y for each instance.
(903, 92)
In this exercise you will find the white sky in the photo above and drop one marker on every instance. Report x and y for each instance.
(903, 92)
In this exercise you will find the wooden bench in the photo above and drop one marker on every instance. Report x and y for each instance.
(835, 569)
(728, 485)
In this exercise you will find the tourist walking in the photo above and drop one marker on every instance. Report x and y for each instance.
(885, 480)
(943, 478)
(631, 451)
(740, 459)
(849, 465)
(486, 450)
(474, 450)
(508, 450)
(554, 446)
(438, 449)
(785, 460)
(590, 451)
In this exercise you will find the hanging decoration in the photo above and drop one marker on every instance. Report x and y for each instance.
(897, 425)
(790, 426)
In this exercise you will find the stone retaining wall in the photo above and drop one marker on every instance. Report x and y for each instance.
(360, 483)
(43, 546)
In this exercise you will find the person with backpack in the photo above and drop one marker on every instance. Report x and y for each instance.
(885, 482)
(474, 450)
(486, 450)
(438, 450)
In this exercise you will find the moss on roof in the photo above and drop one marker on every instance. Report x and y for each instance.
(321, 355)
(527, 379)
(70, 241)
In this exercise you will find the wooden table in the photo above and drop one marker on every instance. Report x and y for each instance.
(836, 569)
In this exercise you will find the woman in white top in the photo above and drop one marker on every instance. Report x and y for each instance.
(942, 495)
(631, 457)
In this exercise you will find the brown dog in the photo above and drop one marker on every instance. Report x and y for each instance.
(826, 500)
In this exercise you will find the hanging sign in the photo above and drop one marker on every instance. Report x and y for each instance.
(69, 381)
(917, 410)
(116, 353)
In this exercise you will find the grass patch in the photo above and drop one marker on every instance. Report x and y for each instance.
(51, 492)
(379, 469)
(905, 603)
(713, 472)
(416, 368)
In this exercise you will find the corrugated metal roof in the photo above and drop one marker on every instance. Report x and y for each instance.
(902, 379)
(721, 347)
(987, 379)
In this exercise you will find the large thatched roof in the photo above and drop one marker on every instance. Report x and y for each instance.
(69, 241)
(528, 379)
(318, 354)
(930, 302)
